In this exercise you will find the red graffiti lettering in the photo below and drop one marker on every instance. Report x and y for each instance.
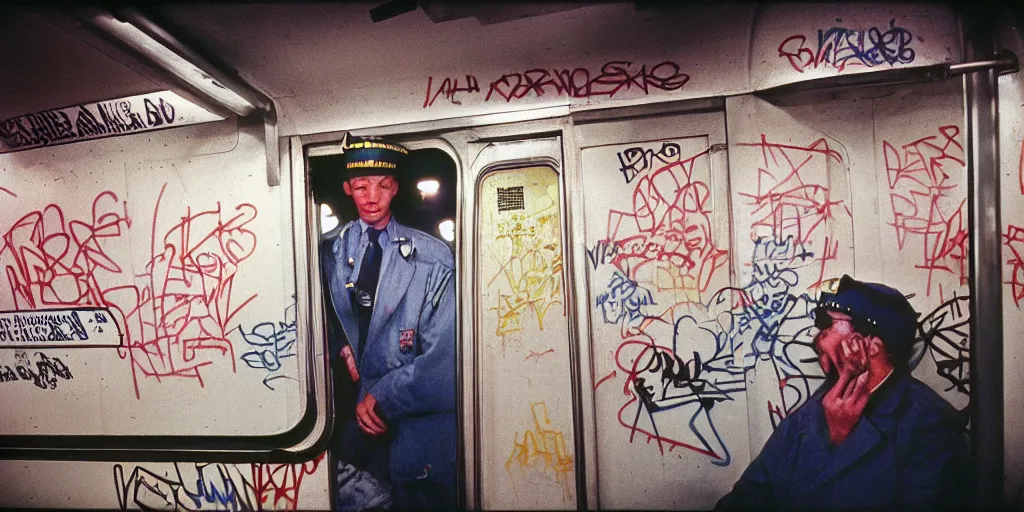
(921, 195)
(670, 223)
(178, 320)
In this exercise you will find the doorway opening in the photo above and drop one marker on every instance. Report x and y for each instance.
(426, 200)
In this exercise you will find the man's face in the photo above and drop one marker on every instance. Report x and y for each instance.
(372, 195)
(828, 341)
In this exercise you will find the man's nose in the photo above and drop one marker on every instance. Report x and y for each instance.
(373, 194)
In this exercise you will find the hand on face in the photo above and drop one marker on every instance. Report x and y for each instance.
(845, 401)
(372, 195)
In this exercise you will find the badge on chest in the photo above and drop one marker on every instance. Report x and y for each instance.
(406, 340)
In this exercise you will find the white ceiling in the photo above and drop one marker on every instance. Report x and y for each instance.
(286, 50)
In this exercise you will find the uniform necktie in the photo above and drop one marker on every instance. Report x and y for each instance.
(369, 273)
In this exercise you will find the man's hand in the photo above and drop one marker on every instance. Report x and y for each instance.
(350, 362)
(367, 417)
(845, 402)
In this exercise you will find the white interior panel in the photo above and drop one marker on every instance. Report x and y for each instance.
(526, 446)
(799, 41)
(920, 162)
(669, 407)
(199, 279)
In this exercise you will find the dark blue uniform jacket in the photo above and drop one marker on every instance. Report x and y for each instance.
(908, 451)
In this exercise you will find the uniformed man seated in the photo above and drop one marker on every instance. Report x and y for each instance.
(873, 437)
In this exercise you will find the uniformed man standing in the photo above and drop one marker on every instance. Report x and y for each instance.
(393, 292)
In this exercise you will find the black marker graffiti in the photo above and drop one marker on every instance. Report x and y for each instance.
(84, 122)
(946, 333)
(637, 160)
(34, 327)
(613, 78)
(45, 373)
(206, 486)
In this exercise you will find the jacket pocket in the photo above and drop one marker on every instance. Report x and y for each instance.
(424, 448)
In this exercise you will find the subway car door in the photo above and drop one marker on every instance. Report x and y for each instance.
(669, 425)
(521, 431)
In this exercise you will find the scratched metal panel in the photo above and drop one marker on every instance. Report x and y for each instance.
(196, 273)
(794, 42)
(527, 460)
(669, 407)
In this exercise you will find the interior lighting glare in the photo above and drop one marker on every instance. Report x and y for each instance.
(447, 229)
(328, 220)
(428, 188)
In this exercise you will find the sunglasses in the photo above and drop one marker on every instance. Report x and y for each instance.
(823, 321)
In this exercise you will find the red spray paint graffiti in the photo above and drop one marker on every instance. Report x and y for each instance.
(56, 263)
(175, 323)
(1014, 241)
(921, 182)
(786, 202)
(670, 223)
(789, 203)
(277, 485)
(612, 78)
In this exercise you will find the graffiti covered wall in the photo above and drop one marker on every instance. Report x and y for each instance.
(702, 340)
(136, 299)
(526, 421)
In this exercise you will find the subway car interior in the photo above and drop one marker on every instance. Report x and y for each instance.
(431, 254)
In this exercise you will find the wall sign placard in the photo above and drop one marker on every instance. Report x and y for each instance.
(121, 116)
(77, 327)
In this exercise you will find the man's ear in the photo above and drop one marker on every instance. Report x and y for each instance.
(347, 187)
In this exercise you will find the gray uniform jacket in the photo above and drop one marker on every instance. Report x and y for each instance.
(408, 363)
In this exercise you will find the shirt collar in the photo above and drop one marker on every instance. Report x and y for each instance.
(387, 234)
(880, 383)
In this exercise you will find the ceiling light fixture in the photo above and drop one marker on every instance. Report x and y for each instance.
(428, 188)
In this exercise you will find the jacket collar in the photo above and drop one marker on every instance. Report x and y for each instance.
(874, 427)
(388, 234)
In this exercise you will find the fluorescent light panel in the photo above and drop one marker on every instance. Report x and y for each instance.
(167, 59)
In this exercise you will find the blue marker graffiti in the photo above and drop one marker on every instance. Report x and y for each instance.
(767, 320)
(271, 344)
(838, 47)
(624, 300)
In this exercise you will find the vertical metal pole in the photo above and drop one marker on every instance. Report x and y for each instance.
(986, 287)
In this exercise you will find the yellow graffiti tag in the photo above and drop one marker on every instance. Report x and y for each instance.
(542, 453)
(672, 278)
(529, 249)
